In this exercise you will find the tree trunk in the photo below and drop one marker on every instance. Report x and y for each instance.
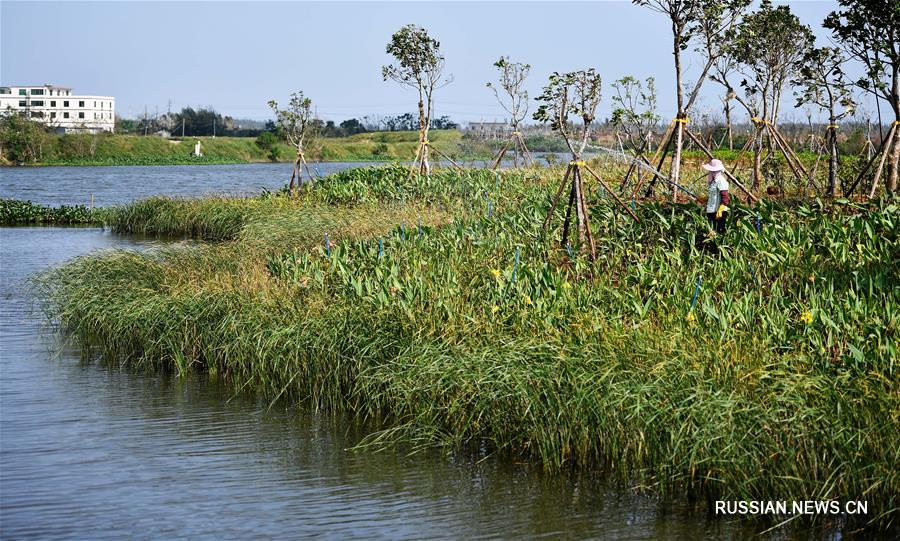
(424, 166)
(893, 165)
(679, 140)
(295, 173)
(757, 156)
(893, 171)
(728, 125)
(832, 159)
(579, 214)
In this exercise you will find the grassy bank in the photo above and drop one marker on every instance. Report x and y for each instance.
(434, 308)
(107, 149)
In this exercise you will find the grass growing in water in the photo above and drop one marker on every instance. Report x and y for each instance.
(18, 212)
(780, 383)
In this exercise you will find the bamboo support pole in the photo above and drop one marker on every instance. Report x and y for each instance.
(728, 173)
(500, 155)
(568, 219)
(616, 197)
(741, 153)
(883, 147)
(586, 218)
(529, 159)
(556, 197)
(789, 154)
(412, 167)
(884, 154)
(664, 146)
(439, 153)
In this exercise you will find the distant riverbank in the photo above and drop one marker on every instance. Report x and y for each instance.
(107, 149)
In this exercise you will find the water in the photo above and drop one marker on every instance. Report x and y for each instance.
(112, 185)
(88, 452)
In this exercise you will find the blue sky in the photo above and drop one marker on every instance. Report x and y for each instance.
(237, 55)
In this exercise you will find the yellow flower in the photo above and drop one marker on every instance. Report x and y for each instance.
(495, 309)
(527, 300)
(690, 317)
(806, 317)
(566, 285)
(496, 273)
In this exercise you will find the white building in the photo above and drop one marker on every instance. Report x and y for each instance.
(58, 108)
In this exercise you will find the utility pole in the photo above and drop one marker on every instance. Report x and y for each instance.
(214, 126)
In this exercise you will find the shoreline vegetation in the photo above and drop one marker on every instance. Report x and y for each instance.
(108, 149)
(759, 365)
(374, 147)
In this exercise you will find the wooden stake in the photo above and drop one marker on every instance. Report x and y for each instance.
(616, 197)
(586, 218)
(727, 173)
(556, 197)
(882, 148)
(664, 145)
(500, 155)
(529, 160)
(568, 220)
(788, 153)
(884, 155)
(743, 151)
(412, 168)
(439, 153)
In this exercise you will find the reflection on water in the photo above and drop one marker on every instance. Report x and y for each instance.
(113, 185)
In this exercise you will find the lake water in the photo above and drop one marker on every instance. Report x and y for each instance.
(88, 452)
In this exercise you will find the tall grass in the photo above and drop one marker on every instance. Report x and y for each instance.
(438, 305)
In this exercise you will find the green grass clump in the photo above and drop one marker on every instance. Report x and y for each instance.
(17, 212)
(438, 306)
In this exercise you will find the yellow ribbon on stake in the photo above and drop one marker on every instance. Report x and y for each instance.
(579, 163)
(684, 120)
(832, 127)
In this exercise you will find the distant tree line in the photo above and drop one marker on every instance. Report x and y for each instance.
(206, 121)
(404, 122)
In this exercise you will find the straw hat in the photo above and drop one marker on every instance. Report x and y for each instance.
(714, 165)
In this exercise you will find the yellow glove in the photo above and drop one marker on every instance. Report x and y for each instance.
(721, 209)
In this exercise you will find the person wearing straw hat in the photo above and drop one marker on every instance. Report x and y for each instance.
(717, 204)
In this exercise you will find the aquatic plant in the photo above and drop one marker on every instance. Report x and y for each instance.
(17, 212)
(435, 305)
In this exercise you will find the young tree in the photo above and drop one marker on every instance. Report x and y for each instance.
(722, 69)
(823, 83)
(869, 31)
(295, 123)
(419, 65)
(704, 22)
(634, 111)
(767, 46)
(634, 117)
(515, 102)
(576, 93)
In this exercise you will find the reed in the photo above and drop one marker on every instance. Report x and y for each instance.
(779, 383)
